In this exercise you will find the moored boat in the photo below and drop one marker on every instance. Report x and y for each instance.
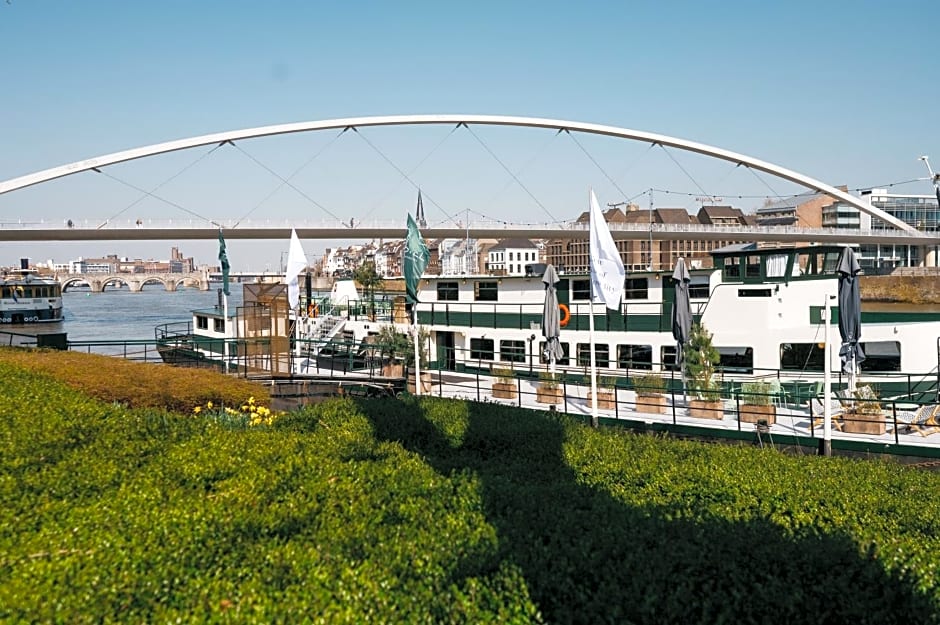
(27, 297)
(763, 306)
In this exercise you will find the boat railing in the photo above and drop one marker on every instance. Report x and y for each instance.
(887, 416)
(176, 329)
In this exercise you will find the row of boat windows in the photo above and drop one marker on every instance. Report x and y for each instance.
(202, 323)
(31, 292)
(775, 265)
(881, 355)
(633, 289)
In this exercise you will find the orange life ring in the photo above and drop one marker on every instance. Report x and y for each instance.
(565, 315)
(312, 309)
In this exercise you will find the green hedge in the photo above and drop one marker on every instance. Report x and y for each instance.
(438, 511)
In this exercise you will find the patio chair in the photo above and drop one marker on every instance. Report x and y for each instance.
(779, 393)
(818, 409)
(925, 420)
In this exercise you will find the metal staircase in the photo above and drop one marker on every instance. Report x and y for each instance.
(319, 331)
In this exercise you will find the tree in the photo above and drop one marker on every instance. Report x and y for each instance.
(367, 277)
(701, 359)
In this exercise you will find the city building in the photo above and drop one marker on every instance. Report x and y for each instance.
(572, 255)
(510, 256)
(806, 210)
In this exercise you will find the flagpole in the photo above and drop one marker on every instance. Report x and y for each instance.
(594, 420)
(225, 346)
(417, 341)
(827, 385)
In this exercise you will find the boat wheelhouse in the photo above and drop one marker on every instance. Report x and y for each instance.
(27, 297)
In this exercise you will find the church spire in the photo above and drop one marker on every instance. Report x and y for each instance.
(419, 213)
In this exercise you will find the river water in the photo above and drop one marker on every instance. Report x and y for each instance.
(119, 315)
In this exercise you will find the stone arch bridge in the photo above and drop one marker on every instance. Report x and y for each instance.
(98, 282)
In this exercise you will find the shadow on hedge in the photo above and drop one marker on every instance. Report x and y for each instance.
(588, 558)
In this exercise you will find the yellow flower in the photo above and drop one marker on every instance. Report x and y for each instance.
(197, 409)
(209, 405)
(251, 400)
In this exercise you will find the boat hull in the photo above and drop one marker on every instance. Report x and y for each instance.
(29, 316)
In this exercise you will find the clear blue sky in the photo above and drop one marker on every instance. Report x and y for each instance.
(845, 92)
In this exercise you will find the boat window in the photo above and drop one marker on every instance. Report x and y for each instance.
(753, 292)
(635, 288)
(881, 356)
(803, 265)
(818, 263)
(447, 291)
(732, 267)
(752, 269)
(512, 351)
(219, 325)
(565, 348)
(202, 323)
(635, 357)
(831, 262)
(485, 291)
(776, 266)
(482, 349)
(601, 355)
(802, 356)
(698, 290)
(581, 290)
(736, 359)
(668, 358)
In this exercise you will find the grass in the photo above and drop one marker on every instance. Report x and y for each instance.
(430, 511)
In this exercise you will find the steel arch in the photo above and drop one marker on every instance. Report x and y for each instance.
(490, 120)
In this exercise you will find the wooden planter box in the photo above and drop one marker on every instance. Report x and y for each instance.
(504, 390)
(393, 371)
(653, 404)
(548, 395)
(425, 382)
(606, 400)
(751, 413)
(857, 423)
(704, 409)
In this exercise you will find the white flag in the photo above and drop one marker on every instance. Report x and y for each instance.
(296, 262)
(607, 271)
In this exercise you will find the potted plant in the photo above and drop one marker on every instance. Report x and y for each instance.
(409, 354)
(606, 392)
(650, 393)
(548, 390)
(701, 360)
(504, 387)
(757, 402)
(864, 414)
(392, 346)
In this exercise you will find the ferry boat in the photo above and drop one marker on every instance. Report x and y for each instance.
(763, 306)
(27, 297)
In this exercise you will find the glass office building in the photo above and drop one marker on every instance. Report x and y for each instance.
(921, 211)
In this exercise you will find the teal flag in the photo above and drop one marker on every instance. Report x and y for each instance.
(223, 260)
(416, 260)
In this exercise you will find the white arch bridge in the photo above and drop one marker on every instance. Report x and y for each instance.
(39, 231)
(98, 282)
